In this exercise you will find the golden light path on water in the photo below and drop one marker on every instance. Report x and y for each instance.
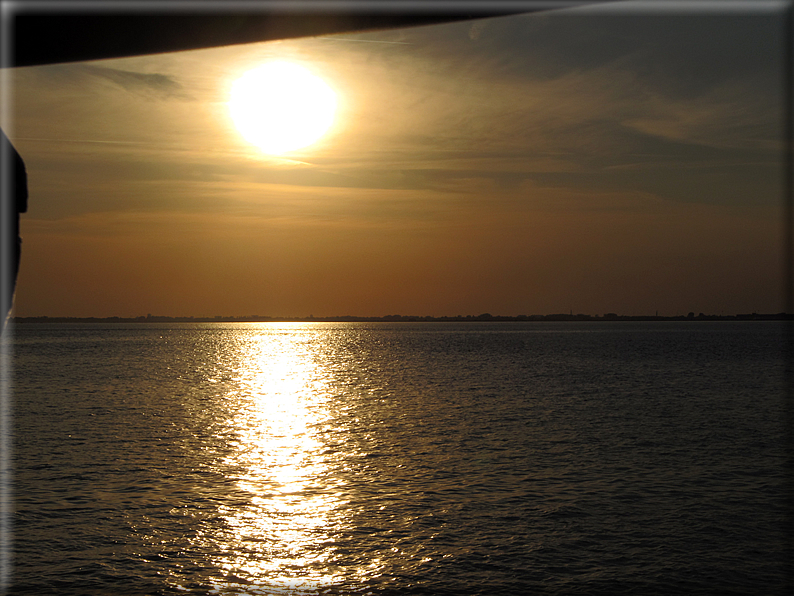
(281, 541)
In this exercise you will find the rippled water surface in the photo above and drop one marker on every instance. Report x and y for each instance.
(429, 458)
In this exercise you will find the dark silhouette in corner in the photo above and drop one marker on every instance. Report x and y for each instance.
(14, 181)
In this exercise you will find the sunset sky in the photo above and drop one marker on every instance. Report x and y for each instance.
(601, 159)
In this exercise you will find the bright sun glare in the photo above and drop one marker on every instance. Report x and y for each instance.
(281, 107)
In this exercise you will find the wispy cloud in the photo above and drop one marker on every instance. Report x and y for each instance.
(137, 82)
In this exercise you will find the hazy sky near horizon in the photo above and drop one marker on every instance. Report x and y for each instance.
(594, 160)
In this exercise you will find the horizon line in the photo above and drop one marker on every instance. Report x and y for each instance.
(411, 318)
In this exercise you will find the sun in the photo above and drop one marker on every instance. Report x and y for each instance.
(281, 107)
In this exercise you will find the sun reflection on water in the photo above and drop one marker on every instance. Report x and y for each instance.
(280, 538)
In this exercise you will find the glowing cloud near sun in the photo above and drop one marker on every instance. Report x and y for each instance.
(281, 107)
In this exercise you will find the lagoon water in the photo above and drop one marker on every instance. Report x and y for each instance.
(406, 458)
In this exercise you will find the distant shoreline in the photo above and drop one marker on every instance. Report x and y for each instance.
(407, 318)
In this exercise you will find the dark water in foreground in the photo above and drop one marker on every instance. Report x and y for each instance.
(450, 459)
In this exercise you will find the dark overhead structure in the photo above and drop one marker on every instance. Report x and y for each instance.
(54, 32)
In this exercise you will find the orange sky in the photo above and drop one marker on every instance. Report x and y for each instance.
(614, 161)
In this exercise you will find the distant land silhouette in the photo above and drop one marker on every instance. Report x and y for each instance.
(408, 318)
